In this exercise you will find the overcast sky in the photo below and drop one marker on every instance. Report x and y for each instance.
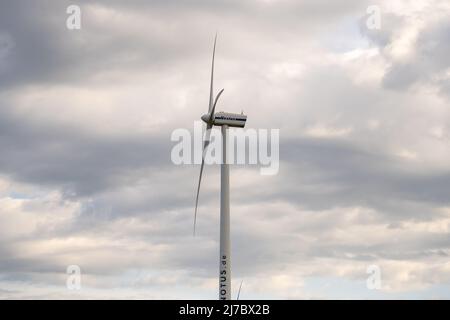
(86, 177)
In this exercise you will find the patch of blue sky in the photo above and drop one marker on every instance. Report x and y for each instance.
(347, 36)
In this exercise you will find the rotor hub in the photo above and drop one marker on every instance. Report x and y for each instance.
(205, 117)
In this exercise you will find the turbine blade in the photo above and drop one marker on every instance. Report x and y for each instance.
(198, 191)
(215, 103)
(205, 145)
(211, 90)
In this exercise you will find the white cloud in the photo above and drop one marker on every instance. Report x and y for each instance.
(322, 131)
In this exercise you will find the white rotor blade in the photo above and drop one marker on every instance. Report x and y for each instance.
(211, 90)
(214, 106)
(198, 191)
(205, 145)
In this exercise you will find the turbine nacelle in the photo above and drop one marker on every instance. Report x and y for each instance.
(225, 118)
(237, 120)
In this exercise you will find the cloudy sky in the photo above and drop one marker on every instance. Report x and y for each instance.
(86, 176)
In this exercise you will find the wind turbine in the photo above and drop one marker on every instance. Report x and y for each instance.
(224, 120)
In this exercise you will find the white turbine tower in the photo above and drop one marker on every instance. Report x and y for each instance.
(225, 120)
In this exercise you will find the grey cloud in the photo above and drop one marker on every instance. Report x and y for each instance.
(400, 77)
(430, 51)
(433, 50)
(44, 51)
(342, 174)
(68, 158)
